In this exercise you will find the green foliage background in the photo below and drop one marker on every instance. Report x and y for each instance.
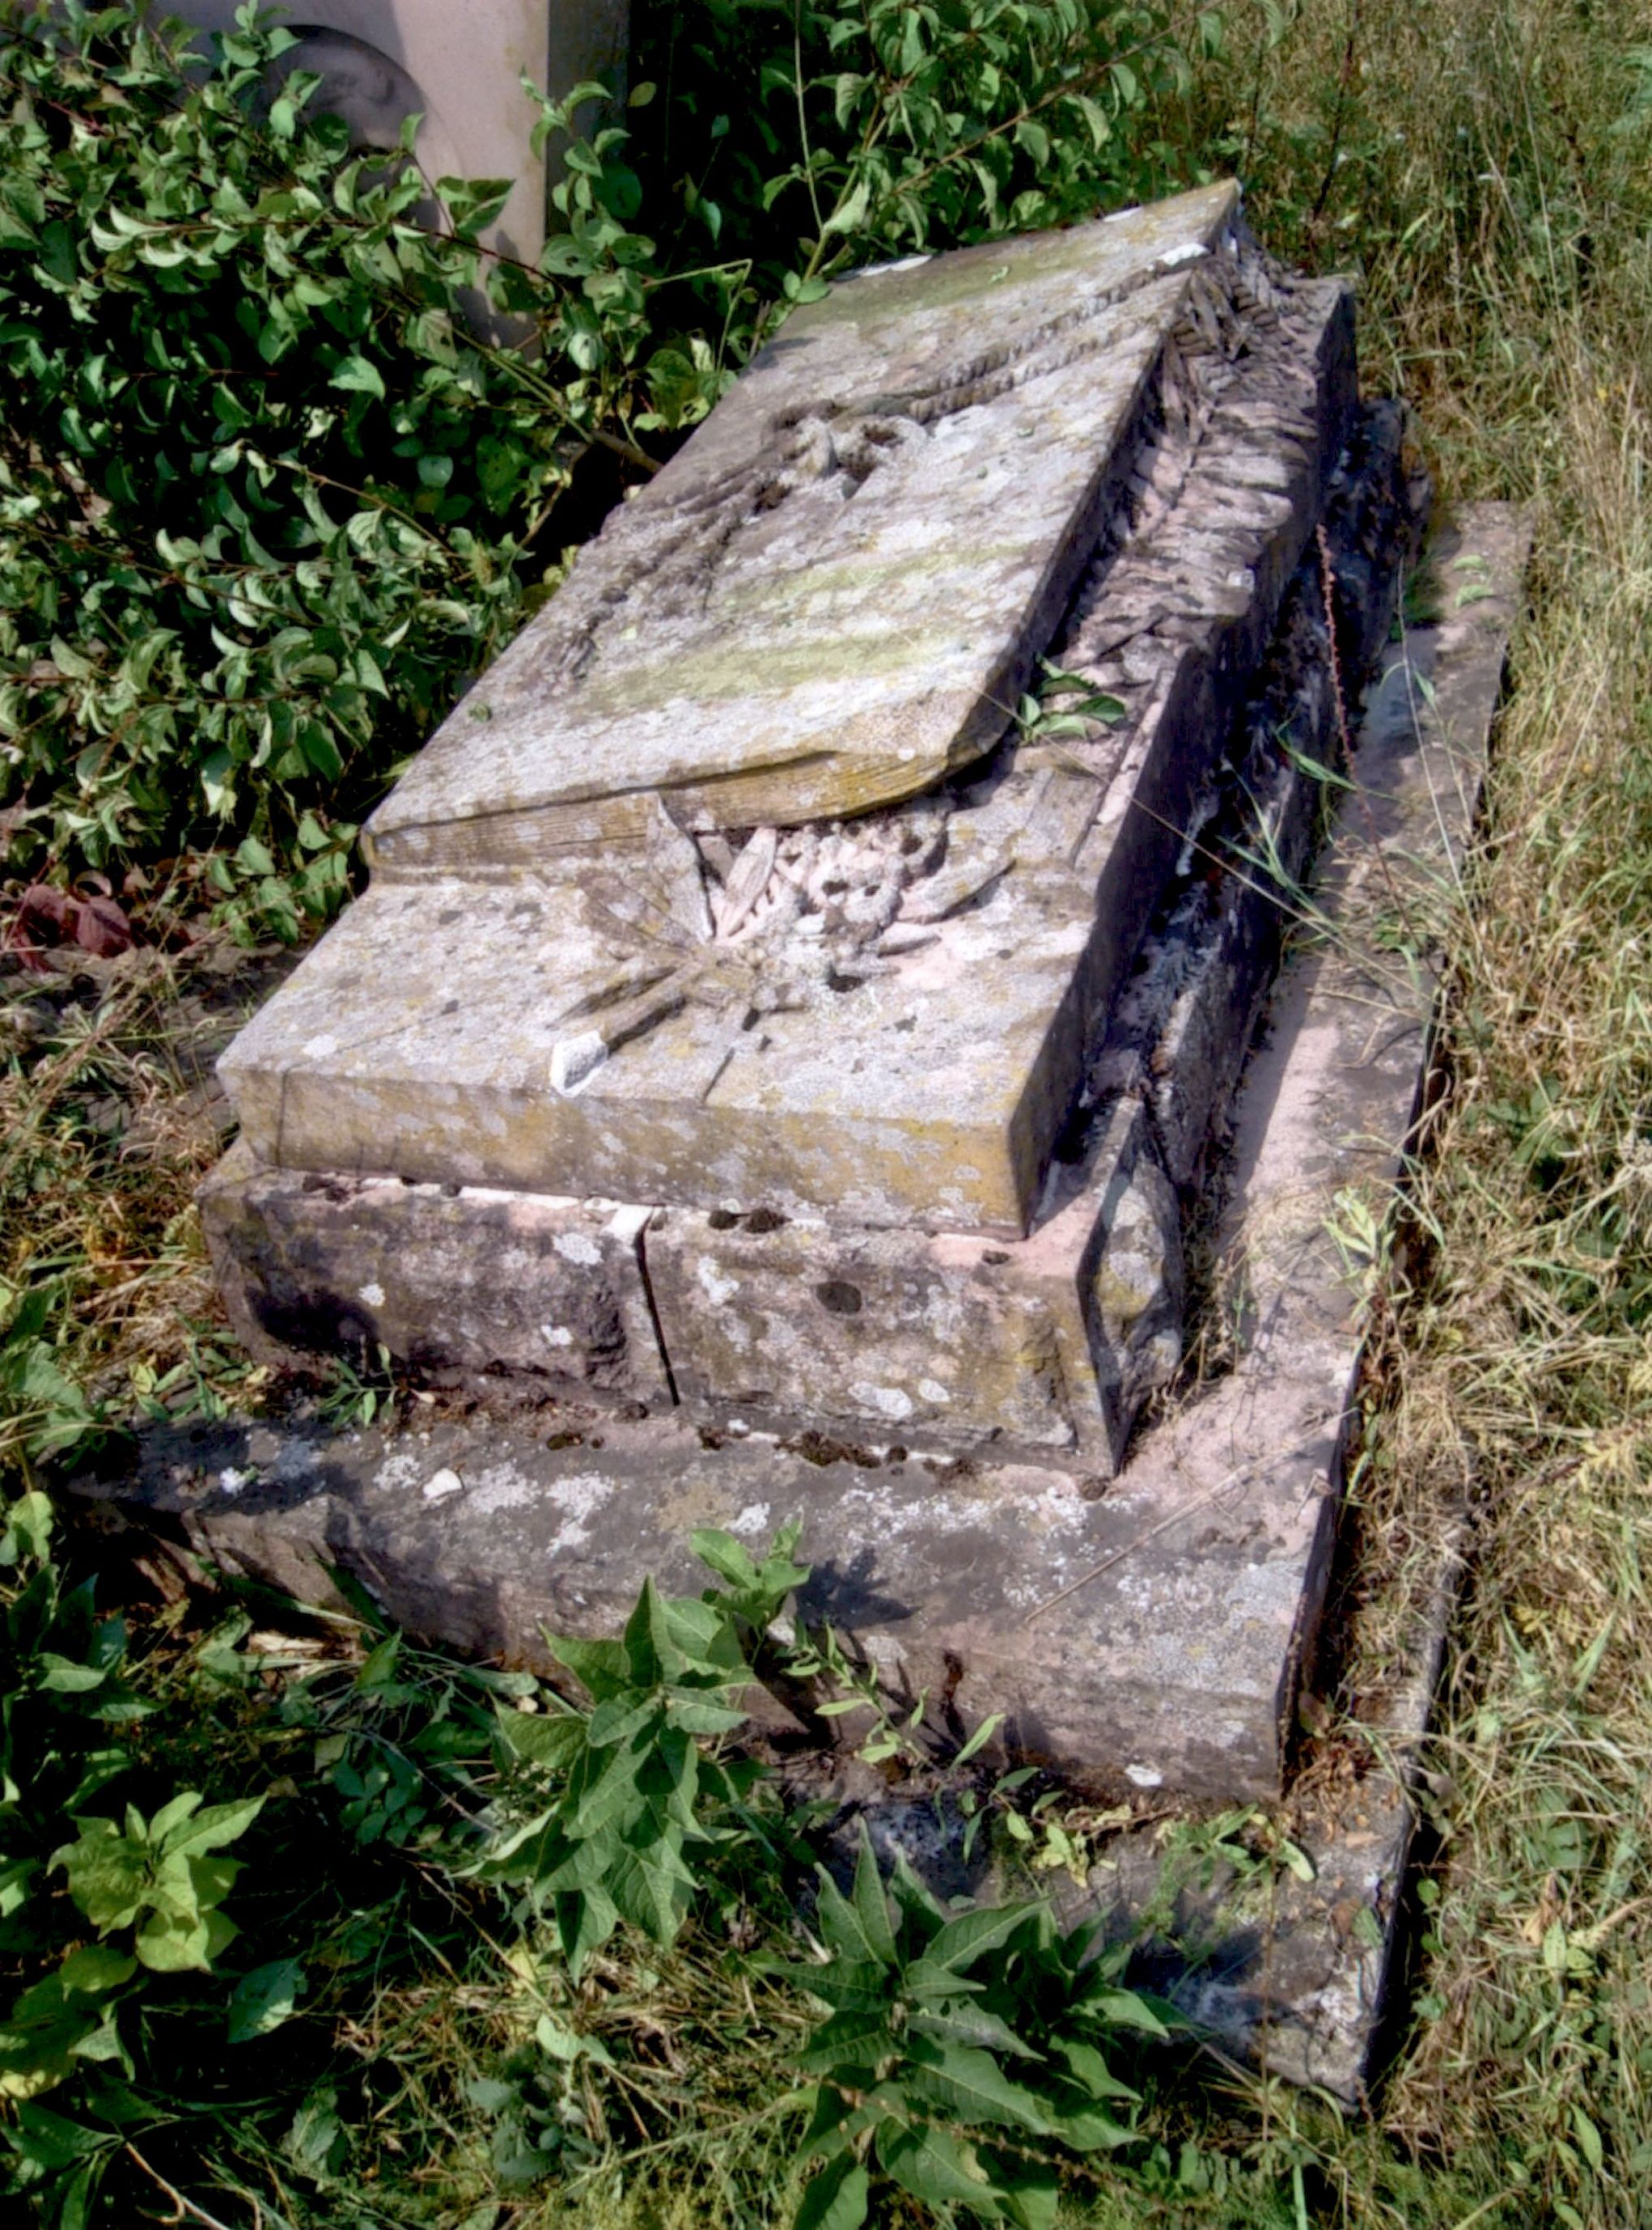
(268, 497)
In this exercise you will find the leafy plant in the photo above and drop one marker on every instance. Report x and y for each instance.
(1065, 704)
(868, 130)
(636, 1780)
(404, 1740)
(818, 1658)
(266, 498)
(154, 1885)
(160, 1877)
(43, 1410)
(958, 2050)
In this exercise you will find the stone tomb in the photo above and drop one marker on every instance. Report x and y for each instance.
(736, 890)
(768, 1031)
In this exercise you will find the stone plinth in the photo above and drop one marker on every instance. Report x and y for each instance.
(447, 1279)
(1046, 1344)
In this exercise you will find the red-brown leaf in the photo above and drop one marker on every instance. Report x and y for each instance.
(102, 929)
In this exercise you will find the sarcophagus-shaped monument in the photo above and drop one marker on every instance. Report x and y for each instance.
(799, 986)
(736, 890)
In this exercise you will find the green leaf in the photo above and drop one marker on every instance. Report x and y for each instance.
(1088, 2067)
(837, 2199)
(648, 1884)
(1125, 2009)
(95, 1968)
(962, 1941)
(356, 376)
(1589, 2143)
(568, 2045)
(210, 1830)
(1087, 2129)
(842, 1929)
(936, 2167)
(585, 1920)
(960, 2022)
(849, 2044)
(840, 1984)
(262, 1999)
(851, 212)
(600, 1666)
(970, 2086)
(619, 1719)
(981, 1736)
(552, 1739)
(1032, 2191)
(171, 1944)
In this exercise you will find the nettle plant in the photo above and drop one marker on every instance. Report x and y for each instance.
(958, 2050)
(615, 1799)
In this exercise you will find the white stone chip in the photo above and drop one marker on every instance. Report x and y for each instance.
(575, 1061)
(887, 1400)
(441, 1484)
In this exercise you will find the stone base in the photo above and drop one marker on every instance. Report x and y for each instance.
(1035, 1347)
(1151, 1634)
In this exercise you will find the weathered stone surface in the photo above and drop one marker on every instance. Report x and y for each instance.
(1181, 1029)
(447, 1279)
(1157, 1633)
(891, 1022)
(1045, 1345)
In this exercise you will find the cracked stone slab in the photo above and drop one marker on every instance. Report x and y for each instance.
(1153, 1634)
(599, 1035)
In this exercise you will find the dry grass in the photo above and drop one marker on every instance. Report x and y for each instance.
(1500, 207)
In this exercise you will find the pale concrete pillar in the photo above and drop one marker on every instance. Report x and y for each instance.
(460, 64)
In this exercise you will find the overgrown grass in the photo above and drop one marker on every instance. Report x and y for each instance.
(1485, 165)
(1493, 185)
